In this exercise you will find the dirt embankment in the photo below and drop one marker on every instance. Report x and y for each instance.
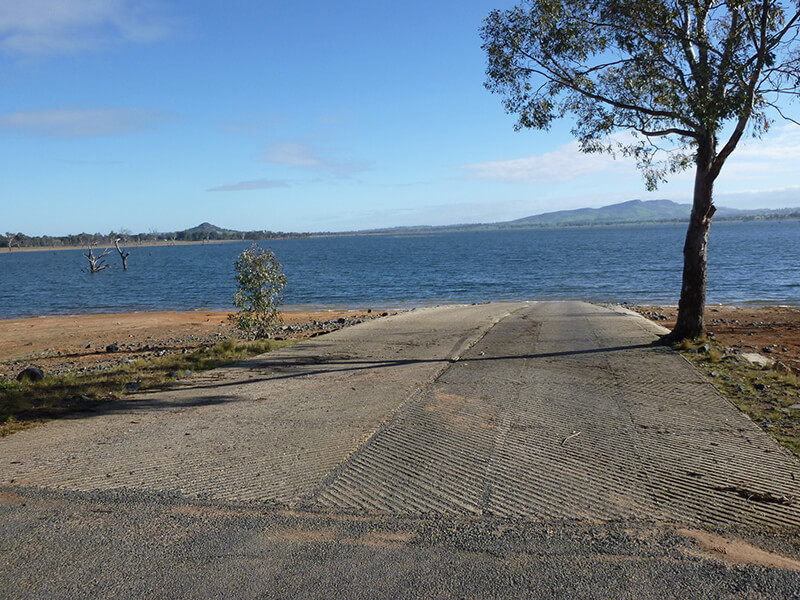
(770, 330)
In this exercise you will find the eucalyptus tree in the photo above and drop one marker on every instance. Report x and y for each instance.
(261, 282)
(686, 78)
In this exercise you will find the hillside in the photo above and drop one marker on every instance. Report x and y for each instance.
(639, 211)
(623, 213)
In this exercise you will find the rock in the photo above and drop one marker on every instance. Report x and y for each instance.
(756, 359)
(795, 406)
(112, 347)
(132, 386)
(31, 374)
(173, 374)
(186, 373)
(759, 386)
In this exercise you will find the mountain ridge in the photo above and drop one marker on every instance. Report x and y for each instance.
(630, 212)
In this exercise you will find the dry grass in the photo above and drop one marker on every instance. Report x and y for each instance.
(25, 404)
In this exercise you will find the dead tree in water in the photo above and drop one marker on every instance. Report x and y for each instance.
(123, 255)
(96, 263)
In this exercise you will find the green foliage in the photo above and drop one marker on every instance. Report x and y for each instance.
(675, 72)
(261, 282)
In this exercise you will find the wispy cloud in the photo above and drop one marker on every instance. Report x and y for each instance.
(777, 154)
(308, 157)
(563, 164)
(294, 154)
(783, 144)
(256, 184)
(48, 27)
(82, 123)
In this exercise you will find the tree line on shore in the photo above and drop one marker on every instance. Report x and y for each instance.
(12, 240)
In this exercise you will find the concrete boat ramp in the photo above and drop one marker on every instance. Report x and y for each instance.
(496, 450)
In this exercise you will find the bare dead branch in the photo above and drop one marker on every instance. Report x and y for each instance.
(96, 263)
(123, 255)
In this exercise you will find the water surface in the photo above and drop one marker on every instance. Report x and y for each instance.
(748, 263)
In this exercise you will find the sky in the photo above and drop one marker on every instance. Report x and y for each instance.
(157, 115)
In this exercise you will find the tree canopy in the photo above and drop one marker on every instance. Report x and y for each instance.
(680, 69)
(678, 75)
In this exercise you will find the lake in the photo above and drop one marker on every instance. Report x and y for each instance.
(748, 263)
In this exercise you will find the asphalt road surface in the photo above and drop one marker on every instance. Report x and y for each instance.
(540, 450)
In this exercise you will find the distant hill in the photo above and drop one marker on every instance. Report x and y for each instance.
(633, 211)
(623, 213)
(206, 228)
(207, 231)
(645, 211)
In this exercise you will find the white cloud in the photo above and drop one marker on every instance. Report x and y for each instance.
(560, 165)
(256, 184)
(307, 157)
(769, 162)
(81, 123)
(782, 144)
(46, 27)
(762, 163)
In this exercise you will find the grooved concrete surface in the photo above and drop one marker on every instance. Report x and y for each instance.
(497, 421)
(269, 429)
(567, 411)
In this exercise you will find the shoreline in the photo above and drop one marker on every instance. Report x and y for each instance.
(773, 329)
(125, 245)
(316, 308)
(293, 309)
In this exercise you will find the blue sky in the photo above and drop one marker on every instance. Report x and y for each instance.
(293, 116)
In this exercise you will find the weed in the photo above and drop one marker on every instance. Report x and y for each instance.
(24, 404)
(714, 354)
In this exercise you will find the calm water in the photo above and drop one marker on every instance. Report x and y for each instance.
(748, 263)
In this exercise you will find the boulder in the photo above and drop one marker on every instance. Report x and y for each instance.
(30, 374)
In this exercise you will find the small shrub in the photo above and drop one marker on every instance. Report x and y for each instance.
(261, 281)
(224, 347)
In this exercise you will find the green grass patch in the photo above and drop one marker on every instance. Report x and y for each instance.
(765, 394)
(25, 404)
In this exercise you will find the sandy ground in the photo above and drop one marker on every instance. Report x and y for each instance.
(773, 331)
(62, 343)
